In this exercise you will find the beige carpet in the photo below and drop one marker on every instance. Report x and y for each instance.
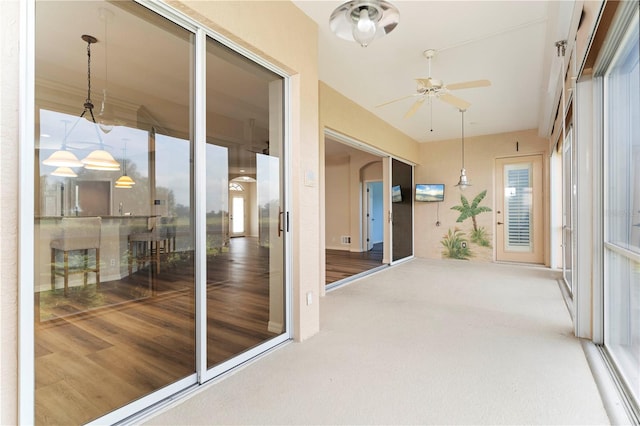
(425, 342)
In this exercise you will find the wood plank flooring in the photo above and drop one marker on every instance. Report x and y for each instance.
(141, 337)
(341, 264)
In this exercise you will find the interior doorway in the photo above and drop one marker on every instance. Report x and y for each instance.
(237, 217)
(355, 236)
(374, 215)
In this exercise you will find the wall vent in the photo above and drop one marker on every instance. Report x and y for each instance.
(345, 239)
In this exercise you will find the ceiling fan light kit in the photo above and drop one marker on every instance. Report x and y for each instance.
(363, 21)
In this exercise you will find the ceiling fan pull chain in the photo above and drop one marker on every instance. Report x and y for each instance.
(431, 115)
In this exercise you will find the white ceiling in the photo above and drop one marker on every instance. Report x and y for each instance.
(510, 43)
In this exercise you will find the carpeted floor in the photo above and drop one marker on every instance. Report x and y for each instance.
(425, 342)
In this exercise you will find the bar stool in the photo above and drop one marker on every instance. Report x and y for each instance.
(147, 246)
(77, 234)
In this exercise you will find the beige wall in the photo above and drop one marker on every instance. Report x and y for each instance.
(292, 47)
(337, 200)
(440, 162)
(350, 119)
(9, 33)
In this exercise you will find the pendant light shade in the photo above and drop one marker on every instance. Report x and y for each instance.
(100, 160)
(463, 182)
(63, 158)
(363, 21)
(125, 181)
(64, 172)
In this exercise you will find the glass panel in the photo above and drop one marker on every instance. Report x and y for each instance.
(245, 280)
(623, 150)
(518, 206)
(402, 207)
(622, 211)
(622, 333)
(114, 278)
(568, 196)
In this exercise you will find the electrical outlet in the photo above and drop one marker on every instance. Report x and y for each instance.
(309, 298)
(113, 262)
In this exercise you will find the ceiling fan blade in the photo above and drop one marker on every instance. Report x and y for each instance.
(456, 102)
(414, 107)
(469, 84)
(399, 99)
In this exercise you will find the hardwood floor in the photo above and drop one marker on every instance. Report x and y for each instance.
(101, 351)
(341, 264)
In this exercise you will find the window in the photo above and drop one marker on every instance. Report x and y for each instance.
(622, 210)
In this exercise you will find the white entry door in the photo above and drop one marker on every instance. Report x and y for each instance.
(237, 217)
(519, 225)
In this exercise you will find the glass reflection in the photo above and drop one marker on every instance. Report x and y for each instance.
(114, 274)
(245, 280)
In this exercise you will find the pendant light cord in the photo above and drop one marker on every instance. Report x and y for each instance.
(88, 105)
(462, 111)
(88, 102)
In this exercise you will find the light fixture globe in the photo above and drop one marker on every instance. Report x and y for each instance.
(363, 21)
(463, 182)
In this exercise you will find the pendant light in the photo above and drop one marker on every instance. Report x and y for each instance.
(463, 183)
(98, 159)
(124, 181)
(363, 21)
(63, 158)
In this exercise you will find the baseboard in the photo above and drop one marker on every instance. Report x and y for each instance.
(340, 247)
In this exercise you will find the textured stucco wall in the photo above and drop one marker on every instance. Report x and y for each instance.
(9, 35)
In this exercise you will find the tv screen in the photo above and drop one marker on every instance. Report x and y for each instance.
(430, 192)
(396, 194)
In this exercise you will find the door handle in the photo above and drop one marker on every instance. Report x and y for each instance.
(280, 230)
(500, 223)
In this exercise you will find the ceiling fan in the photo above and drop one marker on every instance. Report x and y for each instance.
(432, 88)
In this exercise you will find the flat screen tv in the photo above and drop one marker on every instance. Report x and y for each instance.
(396, 194)
(430, 192)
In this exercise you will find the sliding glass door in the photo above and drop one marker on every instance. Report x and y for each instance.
(402, 209)
(245, 274)
(126, 212)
